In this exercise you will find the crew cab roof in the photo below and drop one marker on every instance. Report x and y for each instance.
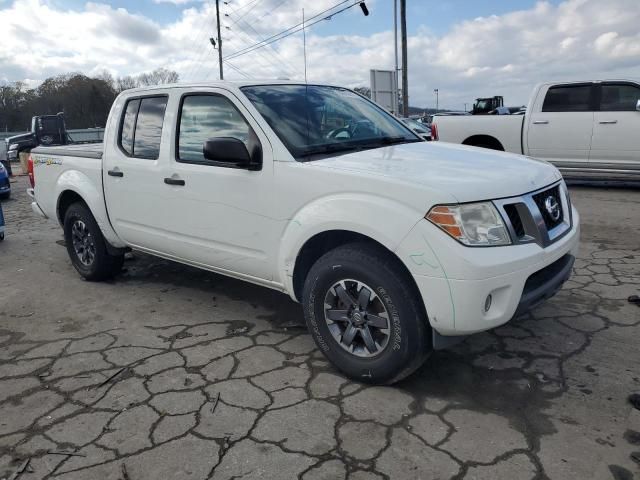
(224, 84)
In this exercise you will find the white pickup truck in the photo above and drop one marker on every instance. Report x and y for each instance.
(393, 245)
(589, 130)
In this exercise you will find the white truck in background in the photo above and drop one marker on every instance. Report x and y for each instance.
(394, 246)
(588, 129)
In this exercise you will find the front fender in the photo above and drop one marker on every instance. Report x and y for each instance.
(85, 187)
(381, 219)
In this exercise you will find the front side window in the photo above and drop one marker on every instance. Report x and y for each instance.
(568, 98)
(141, 131)
(319, 120)
(619, 98)
(203, 117)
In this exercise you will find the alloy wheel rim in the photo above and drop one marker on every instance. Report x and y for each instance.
(357, 318)
(83, 243)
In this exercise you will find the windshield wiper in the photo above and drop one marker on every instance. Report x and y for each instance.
(357, 145)
(384, 141)
(330, 148)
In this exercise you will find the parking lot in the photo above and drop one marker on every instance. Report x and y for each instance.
(169, 372)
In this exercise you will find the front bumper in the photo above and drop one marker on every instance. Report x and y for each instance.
(455, 280)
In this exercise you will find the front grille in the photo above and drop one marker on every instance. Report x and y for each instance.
(514, 218)
(529, 220)
(541, 201)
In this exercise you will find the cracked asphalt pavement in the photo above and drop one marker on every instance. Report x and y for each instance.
(168, 372)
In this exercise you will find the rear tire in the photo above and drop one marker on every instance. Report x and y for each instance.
(86, 245)
(348, 325)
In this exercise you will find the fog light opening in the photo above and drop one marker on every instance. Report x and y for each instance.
(487, 303)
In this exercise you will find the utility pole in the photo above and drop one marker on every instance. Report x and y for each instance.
(465, 107)
(219, 39)
(405, 72)
(396, 101)
(437, 99)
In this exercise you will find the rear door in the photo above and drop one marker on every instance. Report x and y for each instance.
(616, 129)
(133, 171)
(560, 125)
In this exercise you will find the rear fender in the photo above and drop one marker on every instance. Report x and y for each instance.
(82, 185)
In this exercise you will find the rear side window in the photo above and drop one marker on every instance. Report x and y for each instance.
(207, 116)
(141, 131)
(568, 98)
(128, 126)
(619, 98)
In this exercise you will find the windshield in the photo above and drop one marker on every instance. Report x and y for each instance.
(315, 120)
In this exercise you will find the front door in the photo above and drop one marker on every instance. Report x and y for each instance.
(215, 215)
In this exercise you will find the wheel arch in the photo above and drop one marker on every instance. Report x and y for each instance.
(484, 141)
(74, 186)
(65, 200)
(323, 242)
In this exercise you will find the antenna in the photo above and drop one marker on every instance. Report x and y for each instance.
(304, 43)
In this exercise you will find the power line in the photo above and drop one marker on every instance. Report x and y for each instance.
(274, 60)
(233, 67)
(290, 31)
(199, 38)
(271, 51)
(255, 2)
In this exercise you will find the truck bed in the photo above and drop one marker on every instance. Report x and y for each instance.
(88, 150)
(461, 129)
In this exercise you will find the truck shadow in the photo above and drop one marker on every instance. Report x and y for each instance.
(145, 269)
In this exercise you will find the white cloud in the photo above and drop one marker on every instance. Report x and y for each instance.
(493, 55)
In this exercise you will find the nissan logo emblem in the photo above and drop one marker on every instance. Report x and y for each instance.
(553, 208)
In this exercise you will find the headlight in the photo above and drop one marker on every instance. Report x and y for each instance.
(13, 146)
(473, 224)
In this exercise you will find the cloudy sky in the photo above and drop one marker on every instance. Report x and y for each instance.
(465, 48)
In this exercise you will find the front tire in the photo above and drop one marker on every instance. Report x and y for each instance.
(365, 314)
(86, 245)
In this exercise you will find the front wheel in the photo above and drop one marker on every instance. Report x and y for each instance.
(86, 246)
(365, 314)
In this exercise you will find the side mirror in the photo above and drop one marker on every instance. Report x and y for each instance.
(229, 152)
(638, 105)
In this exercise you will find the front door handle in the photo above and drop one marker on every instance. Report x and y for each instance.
(608, 122)
(115, 173)
(174, 181)
(541, 122)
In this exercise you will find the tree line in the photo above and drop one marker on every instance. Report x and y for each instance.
(85, 100)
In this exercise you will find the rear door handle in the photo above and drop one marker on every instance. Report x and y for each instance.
(174, 181)
(115, 173)
(541, 122)
(608, 122)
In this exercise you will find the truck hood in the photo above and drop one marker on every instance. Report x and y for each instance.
(468, 173)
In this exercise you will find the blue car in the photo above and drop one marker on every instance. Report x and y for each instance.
(5, 186)
(1, 224)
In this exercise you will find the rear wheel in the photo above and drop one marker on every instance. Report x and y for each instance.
(365, 314)
(86, 245)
